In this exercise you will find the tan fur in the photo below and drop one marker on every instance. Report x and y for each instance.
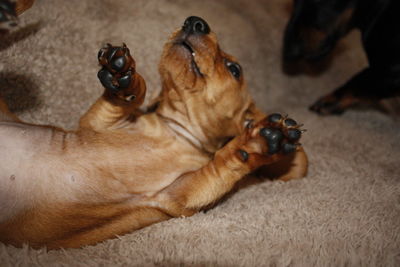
(123, 170)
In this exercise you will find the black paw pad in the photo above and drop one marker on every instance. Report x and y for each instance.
(117, 67)
(290, 122)
(125, 80)
(117, 58)
(107, 53)
(111, 83)
(106, 79)
(118, 63)
(293, 134)
(272, 135)
(281, 134)
(289, 148)
(275, 117)
(274, 138)
(273, 148)
(244, 156)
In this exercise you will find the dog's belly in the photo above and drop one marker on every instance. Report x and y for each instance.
(19, 146)
(35, 169)
(32, 171)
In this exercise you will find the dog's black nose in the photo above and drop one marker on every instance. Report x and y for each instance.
(195, 25)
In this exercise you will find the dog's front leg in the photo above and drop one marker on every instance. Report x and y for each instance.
(267, 142)
(124, 92)
(364, 89)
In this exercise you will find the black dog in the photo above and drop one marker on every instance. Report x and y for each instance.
(316, 25)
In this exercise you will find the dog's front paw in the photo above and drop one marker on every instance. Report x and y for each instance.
(269, 140)
(332, 104)
(118, 73)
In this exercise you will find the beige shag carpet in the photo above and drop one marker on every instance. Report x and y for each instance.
(346, 212)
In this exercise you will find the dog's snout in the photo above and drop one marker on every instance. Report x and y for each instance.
(195, 25)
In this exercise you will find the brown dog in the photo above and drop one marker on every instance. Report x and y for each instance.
(123, 170)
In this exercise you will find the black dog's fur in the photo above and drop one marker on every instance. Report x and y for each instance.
(316, 25)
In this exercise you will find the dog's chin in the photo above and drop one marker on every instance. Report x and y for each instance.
(179, 66)
(188, 55)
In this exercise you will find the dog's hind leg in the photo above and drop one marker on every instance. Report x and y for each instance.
(124, 92)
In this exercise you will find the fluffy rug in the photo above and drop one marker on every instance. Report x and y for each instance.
(346, 212)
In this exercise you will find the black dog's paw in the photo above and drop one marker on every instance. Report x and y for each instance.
(333, 105)
(8, 15)
(118, 67)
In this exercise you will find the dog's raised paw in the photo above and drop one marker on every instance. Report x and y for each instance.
(117, 69)
(272, 137)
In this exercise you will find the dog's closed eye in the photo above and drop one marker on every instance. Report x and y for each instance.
(234, 68)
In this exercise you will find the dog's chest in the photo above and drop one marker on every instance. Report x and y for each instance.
(146, 166)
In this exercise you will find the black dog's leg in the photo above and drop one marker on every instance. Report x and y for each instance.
(366, 88)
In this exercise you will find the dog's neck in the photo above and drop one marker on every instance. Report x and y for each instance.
(178, 117)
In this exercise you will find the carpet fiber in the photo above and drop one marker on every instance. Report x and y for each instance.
(346, 212)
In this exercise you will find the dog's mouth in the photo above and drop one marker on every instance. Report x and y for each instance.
(187, 46)
(190, 55)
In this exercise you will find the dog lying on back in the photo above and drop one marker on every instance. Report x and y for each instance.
(124, 169)
(316, 25)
